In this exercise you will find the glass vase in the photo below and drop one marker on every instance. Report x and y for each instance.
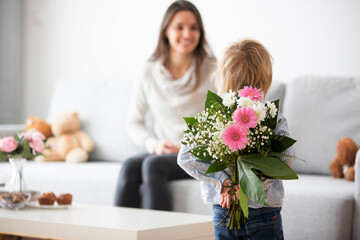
(16, 197)
(17, 182)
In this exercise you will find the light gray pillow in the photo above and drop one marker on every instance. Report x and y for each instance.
(320, 111)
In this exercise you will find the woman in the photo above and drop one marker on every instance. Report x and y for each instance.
(174, 85)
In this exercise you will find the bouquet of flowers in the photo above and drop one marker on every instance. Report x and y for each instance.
(23, 145)
(237, 133)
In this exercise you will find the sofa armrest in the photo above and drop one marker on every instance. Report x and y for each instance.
(10, 129)
(356, 222)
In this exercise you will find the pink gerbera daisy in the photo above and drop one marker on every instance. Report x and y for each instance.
(253, 93)
(235, 137)
(246, 117)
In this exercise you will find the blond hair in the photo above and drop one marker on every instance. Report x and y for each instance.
(245, 63)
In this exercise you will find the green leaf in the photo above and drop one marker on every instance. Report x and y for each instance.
(280, 143)
(277, 103)
(16, 137)
(276, 154)
(216, 166)
(244, 203)
(199, 153)
(213, 99)
(190, 120)
(270, 166)
(250, 183)
(2, 156)
(26, 151)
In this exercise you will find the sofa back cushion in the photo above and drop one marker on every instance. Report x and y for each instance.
(277, 91)
(102, 108)
(320, 111)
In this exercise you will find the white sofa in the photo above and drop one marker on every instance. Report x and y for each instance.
(320, 111)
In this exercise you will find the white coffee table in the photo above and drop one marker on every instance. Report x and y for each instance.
(102, 222)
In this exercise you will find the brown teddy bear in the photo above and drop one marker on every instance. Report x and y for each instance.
(69, 143)
(38, 124)
(346, 153)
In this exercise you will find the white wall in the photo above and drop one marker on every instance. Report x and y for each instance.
(10, 97)
(111, 39)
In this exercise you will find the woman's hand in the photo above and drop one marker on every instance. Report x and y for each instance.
(226, 198)
(166, 148)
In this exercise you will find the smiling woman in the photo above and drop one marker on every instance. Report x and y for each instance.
(174, 84)
(183, 34)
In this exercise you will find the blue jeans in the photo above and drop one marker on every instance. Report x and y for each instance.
(263, 223)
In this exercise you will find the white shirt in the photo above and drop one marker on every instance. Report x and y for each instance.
(169, 101)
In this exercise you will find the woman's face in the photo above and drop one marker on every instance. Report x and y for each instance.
(183, 32)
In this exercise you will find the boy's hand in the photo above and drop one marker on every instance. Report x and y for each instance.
(166, 148)
(226, 198)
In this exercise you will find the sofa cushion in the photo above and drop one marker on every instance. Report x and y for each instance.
(320, 111)
(318, 202)
(102, 108)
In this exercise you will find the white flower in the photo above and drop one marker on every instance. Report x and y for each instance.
(245, 102)
(260, 110)
(229, 98)
(263, 128)
(272, 107)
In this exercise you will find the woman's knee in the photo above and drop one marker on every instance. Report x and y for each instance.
(151, 163)
(152, 167)
(131, 167)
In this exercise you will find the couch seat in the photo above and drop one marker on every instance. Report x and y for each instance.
(318, 202)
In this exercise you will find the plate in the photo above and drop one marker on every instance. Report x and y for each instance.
(35, 204)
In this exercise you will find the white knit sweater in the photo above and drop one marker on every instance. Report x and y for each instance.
(168, 100)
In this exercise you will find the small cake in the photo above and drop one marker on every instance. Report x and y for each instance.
(47, 198)
(64, 199)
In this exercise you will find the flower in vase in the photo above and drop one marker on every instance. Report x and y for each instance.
(37, 142)
(8, 144)
(22, 145)
(26, 135)
(37, 145)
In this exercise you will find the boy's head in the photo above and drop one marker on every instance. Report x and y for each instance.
(245, 63)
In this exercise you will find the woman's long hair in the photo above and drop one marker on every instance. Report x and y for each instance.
(162, 50)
